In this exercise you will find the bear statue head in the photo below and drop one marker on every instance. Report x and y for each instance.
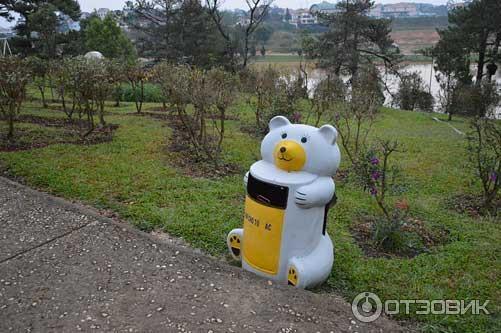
(293, 147)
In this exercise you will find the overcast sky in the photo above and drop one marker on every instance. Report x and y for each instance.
(89, 5)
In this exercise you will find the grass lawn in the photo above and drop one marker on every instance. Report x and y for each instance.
(132, 176)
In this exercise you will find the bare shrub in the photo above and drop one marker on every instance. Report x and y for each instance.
(328, 94)
(201, 100)
(14, 77)
(90, 82)
(40, 69)
(271, 93)
(356, 115)
(137, 75)
(484, 150)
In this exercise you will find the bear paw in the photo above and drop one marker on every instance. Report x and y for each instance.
(292, 279)
(302, 199)
(235, 245)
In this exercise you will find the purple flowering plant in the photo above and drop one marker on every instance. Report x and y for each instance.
(376, 174)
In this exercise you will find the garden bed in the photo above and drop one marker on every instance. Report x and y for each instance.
(33, 132)
(414, 238)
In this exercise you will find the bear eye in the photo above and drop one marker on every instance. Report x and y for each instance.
(284, 135)
(304, 139)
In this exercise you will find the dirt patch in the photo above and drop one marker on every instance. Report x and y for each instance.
(53, 131)
(416, 238)
(471, 205)
(156, 114)
(157, 109)
(342, 175)
(51, 122)
(28, 139)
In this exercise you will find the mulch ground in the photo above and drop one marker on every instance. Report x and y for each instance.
(471, 205)
(69, 132)
(362, 233)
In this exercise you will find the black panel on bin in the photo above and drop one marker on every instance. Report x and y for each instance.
(267, 194)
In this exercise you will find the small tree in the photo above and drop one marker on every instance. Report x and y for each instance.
(262, 51)
(356, 115)
(448, 95)
(272, 93)
(378, 176)
(90, 82)
(40, 69)
(329, 94)
(61, 73)
(412, 94)
(258, 10)
(210, 93)
(137, 75)
(224, 86)
(484, 151)
(14, 77)
(261, 87)
(106, 75)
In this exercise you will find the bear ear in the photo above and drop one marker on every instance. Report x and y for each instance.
(278, 121)
(329, 133)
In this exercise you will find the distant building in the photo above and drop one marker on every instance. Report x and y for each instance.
(85, 15)
(376, 11)
(324, 8)
(102, 13)
(452, 6)
(302, 17)
(402, 9)
(243, 21)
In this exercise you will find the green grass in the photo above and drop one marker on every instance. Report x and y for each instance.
(132, 176)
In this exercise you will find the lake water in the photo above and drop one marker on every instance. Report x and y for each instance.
(425, 70)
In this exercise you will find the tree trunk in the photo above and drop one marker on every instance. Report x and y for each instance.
(10, 119)
(101, 114)
(481, 60)
(42, 93)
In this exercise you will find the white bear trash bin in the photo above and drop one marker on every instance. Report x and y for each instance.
(289, 192)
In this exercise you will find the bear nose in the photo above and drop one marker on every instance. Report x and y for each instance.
(282, 149)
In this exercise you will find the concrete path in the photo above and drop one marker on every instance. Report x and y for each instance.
(64, 268)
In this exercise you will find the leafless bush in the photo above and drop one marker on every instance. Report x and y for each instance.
(90, 82)
(15, 75)
(484, 150)
(271, 93)
(356, 115)
(201, 100)
(328, 94)
(137, 75)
